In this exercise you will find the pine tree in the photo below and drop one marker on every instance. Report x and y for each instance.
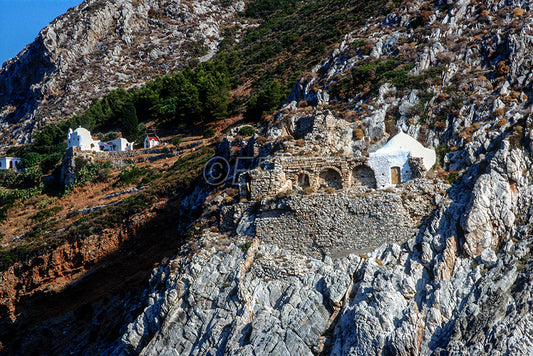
(129, 121)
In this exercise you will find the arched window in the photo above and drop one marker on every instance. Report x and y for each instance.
(303, 180)
(329, 177)
(363, 175)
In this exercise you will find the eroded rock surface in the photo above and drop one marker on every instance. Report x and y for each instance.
(224, 300)
(98, 46)
(426, 295)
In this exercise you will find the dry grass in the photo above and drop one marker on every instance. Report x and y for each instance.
(499, 112)
(518, 12)
(21, 219)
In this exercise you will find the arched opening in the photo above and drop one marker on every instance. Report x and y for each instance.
(303, 180)
(10, 164)
(329, 177)
(395, 175)
(363, 175)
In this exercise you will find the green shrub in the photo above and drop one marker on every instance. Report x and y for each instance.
(87, 171)
(209, 133)
(151, 177)
(49, 162)
(110, 136)
(370, 76)
(29, 177)
(176, 141)
(44, 214)
(8, 198)
(452, 177)
(441, 151)
(29, 160)
(102, 172)
(245, 246)
(266, 100)
(131, 174)
(247, 131)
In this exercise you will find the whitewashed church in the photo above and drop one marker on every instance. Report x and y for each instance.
(9, 162)
(82, 138)
(391, 162)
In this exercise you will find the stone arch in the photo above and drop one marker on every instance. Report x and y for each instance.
(363, 175)
(330, 177)
(303, 180)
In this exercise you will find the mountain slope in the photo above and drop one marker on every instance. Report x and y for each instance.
(99, 46)
(454, 76)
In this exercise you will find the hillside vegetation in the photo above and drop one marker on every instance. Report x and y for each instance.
(253, 76)
(259, 70)
(294, 268)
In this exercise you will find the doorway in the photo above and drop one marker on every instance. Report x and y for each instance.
(395, 175)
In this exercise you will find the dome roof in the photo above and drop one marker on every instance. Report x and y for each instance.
(401, 142)
(82, 132)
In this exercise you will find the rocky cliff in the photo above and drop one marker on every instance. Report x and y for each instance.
(98, 46)
(455, 76)
(461, 285)
(454, 274)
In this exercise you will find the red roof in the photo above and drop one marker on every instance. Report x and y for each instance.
(153, 138)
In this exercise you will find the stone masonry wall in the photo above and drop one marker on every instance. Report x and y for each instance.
(118, 159)
(284, 173)
(335, 225)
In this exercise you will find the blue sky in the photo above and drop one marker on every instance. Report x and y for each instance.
(21, 21)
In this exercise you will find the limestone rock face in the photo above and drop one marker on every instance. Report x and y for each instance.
(264, 301)
(494, 202)
(99, 46)
(448, 289)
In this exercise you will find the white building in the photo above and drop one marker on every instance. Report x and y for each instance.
(118, 144)
(391, 162)
(82, 138)
(9, 162)
(151, 141)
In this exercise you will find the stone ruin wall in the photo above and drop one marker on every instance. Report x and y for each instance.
(331, 223)
(336, 224)
(289, 173)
